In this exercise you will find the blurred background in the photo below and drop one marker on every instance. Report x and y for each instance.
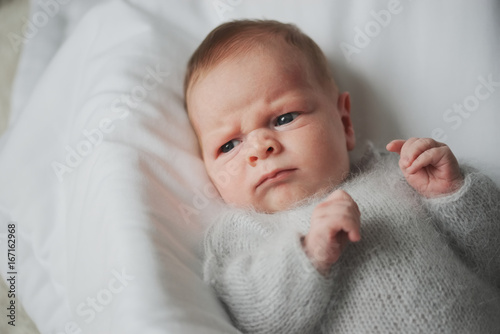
(12, 13)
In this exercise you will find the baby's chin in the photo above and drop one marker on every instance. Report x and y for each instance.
(271, 207)
(287, 201)
(269, 204)
(281, 198)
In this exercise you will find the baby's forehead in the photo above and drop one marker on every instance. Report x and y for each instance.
(270, 63)
(291, 59)
(274, 47)
(294, 68)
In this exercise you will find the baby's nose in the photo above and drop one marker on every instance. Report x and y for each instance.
(261, 144)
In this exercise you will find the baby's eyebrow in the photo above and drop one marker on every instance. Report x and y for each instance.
(296, 97)
(218, 137)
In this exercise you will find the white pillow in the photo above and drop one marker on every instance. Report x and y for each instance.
(46, 27)
(100, 174)
(110, 197)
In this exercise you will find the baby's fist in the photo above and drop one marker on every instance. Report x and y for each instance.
(429, 166)
(334, 223)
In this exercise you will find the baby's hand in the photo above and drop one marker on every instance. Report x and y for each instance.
(334, 222)
(429, 166)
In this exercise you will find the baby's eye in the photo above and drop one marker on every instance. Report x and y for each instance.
(286, 118)
(229, 145)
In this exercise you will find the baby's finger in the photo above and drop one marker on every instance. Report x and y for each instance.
(395, 145)
(429, 157)
(351, 224)
(354, 226)
(339, 194)
(354, 235)
(414, 147)
(349, 231)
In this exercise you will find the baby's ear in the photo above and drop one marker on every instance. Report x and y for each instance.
(344, 103)
(344, 108)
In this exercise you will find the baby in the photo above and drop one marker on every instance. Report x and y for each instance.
(423, 232)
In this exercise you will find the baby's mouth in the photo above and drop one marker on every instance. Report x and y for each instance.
(275, 176)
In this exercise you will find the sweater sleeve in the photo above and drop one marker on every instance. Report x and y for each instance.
(264, 279)
(470, 219)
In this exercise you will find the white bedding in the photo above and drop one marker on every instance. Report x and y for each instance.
(100, 172)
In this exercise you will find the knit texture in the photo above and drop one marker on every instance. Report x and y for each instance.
(422, 266)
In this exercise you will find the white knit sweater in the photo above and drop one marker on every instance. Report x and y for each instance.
(422, 266)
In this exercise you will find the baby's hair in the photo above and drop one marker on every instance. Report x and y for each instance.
(240, 36)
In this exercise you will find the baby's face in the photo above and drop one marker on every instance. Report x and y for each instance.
(270, 133)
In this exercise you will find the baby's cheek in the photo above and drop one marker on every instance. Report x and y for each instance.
(330, 173)
(233, 194)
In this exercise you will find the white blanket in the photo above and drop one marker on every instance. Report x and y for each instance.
(100, 171)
